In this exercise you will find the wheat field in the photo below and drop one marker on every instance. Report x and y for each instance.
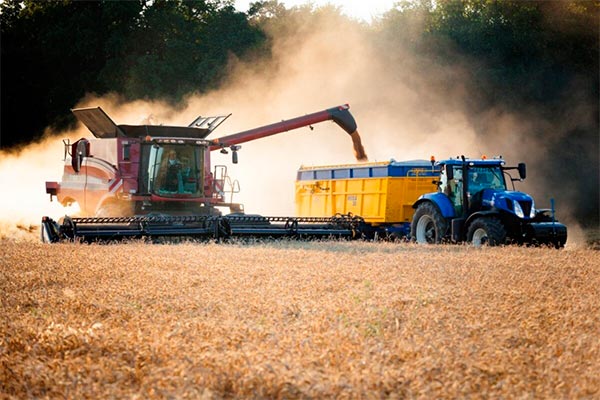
(298, 320)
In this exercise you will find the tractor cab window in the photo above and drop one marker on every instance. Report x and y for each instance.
(479, 179)
(456, 189)
(174, 170)
(452, 187)
(485, 178)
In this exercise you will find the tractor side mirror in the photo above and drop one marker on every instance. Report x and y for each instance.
(449, 172)
(522, 170)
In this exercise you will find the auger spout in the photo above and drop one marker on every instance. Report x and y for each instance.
(340, 115)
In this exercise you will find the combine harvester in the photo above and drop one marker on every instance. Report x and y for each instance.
(152, 181)
(145, 181)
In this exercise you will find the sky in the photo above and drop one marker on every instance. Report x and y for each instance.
(358, 9)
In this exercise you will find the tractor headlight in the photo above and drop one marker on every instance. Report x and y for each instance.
(518, 210)
(532, 212)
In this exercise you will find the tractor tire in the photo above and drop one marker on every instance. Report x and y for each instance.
(428, 225)
(486, 232)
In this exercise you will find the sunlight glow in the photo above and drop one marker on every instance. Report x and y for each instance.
(358, 9)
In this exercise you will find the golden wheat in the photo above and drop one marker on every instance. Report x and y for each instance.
(298, 320)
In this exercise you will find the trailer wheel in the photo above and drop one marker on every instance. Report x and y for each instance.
(486, 231)
(428, 224)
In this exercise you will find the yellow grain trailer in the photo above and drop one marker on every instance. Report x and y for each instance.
(382, 193)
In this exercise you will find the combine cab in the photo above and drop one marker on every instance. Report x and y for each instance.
(126, 169)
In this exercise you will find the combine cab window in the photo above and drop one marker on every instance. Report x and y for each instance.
(174, 170)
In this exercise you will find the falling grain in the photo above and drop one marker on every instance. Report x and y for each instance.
(359, 150)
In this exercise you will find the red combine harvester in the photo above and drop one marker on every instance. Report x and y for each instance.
(134, 181)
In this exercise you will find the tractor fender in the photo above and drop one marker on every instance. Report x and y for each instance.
(440, 200)
(478, 214)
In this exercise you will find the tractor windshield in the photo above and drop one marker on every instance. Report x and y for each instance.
(173, 170)
(485, 178)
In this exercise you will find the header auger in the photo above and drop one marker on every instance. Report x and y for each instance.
(201, 227)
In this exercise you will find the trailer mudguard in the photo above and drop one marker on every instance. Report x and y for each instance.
(440, 200)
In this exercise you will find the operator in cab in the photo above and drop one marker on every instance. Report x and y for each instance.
(171, 167)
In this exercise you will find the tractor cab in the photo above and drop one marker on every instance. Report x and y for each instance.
(464, 183)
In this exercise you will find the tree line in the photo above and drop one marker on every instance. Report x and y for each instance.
(53, 52)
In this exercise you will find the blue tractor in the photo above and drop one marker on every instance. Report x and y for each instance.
(473, 204)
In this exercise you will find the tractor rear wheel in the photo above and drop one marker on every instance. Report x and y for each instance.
(428, 225)
(486, 231)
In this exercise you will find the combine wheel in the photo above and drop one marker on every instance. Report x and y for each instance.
(222, 229)
(486, 231)
(67, 227)
(428, 225)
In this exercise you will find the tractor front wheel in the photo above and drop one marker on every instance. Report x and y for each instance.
(486, 231)
(428, 225)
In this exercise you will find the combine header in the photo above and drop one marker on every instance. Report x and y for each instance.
(198, 227)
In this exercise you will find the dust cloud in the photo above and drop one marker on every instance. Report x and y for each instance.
(406, 108)
(23, 173)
